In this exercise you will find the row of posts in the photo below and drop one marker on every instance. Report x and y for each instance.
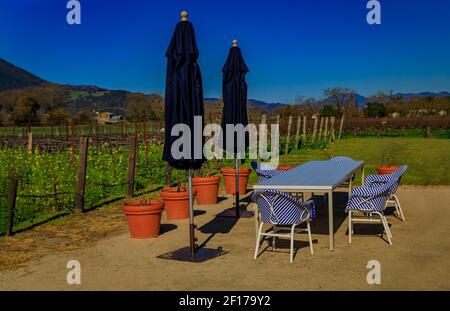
(323, 129)
(71, 131)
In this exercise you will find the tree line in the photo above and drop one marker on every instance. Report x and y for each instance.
(55, 104)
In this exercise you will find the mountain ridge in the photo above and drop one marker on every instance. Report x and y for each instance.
(13, 77)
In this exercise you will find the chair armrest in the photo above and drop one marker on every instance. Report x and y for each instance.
(311, 208)
(376, 179)
(366, 192)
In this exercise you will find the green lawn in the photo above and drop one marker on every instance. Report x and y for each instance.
(428, 159)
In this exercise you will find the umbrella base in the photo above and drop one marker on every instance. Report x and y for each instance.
(231, 212)
(201, 254)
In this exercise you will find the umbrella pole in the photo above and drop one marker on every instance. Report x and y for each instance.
(192, 253)
(191, 216)
(237, 185)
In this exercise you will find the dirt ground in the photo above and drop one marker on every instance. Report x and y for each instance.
(110, 260)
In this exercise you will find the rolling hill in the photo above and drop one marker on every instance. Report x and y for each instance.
(13, 77)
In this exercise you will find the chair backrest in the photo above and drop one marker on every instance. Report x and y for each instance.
(264, 171)
(395, 176)
(371, 198)
(281, 208)
(398, 174)
(264, 175)
(341, 159)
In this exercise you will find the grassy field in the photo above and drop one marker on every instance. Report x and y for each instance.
(428, 158)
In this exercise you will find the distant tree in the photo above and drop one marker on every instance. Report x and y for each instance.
(376, 110)
(305, 106)
(330, 111)
(84, 117)
(26, 110)
(140, 106)
(57, 116)
(340, 96)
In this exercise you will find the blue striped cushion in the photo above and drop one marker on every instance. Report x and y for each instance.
(264, 175)
(283, 209)
(341, 159)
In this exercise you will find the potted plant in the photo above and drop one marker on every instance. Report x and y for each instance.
(387, 166)
(229, 177)
(176, 200)
(143, 217)
(285, 167)
(206, 186)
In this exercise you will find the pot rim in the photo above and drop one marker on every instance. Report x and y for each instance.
(226, 171)
(212, 180)
(154, 206)
(395, 167)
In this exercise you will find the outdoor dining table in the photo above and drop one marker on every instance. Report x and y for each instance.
(316, 176)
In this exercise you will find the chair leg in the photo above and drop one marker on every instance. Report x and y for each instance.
(386, 228)
(398, 207)
(258, 237)
(291, 259)
(274, 239)
(308, 226)
(350, 227)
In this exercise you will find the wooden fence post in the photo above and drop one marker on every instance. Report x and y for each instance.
(321, 128)
(304, 128)
(288, 137)
(325, 132)
(297, 134)
(332, 129)
(131, 165)
(12, 195)
(340, 127)
(30, 142)
(314, 129)
(82, 165)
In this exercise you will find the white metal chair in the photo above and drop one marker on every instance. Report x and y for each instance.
(284, 212)
(369, 201)
(376, 180)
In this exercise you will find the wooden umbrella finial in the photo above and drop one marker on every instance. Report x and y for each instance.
(235, 43)
(184, 16)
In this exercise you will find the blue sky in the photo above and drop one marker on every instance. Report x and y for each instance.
(291, 47)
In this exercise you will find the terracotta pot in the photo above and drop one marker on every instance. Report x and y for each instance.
(176, 202)
(206, 189)
(285, 167)
(229, 177)
(384, 170)
(144, 218)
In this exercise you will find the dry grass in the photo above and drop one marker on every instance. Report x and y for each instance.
(65, 234)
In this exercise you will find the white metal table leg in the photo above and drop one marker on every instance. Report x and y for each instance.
(330, 220)
(362, 176)
(350, 226)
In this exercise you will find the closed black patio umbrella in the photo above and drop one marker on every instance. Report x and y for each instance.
(183, 105)
(234, 93)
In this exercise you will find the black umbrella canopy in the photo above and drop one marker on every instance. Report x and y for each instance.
(234, 92)
(184, 93)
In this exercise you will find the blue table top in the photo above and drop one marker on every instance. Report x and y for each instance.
(314, 175)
